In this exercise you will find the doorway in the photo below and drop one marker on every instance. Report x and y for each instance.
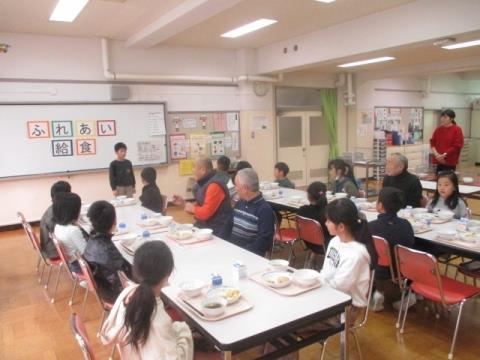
(302, 143)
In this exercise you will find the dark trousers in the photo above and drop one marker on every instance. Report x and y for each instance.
(442, 167)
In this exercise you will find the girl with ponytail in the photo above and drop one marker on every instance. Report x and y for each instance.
(138, 320)
(350, 254)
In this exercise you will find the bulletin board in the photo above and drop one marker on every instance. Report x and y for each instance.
(212, 134)
(48, 138)
(406, 120)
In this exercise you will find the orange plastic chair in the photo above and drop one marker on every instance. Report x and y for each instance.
(92, 287)
(80, 334)
(164, 204)
(77, 278)
(286, 236)
(422, 270)
(310, 231)
(385, 256)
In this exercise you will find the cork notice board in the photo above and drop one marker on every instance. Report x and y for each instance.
(213, 134)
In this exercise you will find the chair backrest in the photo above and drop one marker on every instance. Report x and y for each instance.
(80, 334)
(424, 201)
(418, 266)
(164, 204)
(61, 253)
(87, 272)
(25, 226)
(384, 255)
(310, 230)
(124, 280)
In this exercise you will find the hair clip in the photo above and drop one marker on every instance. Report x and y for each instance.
(359, 221)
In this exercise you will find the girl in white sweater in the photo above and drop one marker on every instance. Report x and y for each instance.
(350, 254)
(138, 320)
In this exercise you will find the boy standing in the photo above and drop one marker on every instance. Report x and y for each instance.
(280, 173)
(122, 179)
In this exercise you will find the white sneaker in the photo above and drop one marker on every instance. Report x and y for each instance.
(412, 300)
(377, 301)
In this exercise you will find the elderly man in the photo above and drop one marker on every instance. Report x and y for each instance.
(397, 176)
(253, 217)
(212, 207)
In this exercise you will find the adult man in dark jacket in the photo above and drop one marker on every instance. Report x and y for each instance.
(397, 176)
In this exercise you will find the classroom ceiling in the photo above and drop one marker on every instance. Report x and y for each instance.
(414, 54)
(120, 19)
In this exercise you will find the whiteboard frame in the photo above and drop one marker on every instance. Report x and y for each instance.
(94, 170)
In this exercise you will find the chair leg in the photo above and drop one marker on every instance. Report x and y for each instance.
(104, 315)
(406, 310)
(75, 281)
(357, 343)
(112, 354)
(52, 300)
(48, 277)
(40, 279)
(290, 252)
(38, 264)
(457, 325)
(307, 259)
(84, 301)
(401, 305)
(324, 349)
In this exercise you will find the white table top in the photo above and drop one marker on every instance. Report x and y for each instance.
(270, 310)
(464, 189)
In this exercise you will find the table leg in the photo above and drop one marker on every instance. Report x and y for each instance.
(345, 318)
(226, 355)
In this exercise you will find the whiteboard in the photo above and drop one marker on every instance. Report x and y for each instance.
(36, 139)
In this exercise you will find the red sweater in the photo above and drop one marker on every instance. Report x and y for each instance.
(448, 140)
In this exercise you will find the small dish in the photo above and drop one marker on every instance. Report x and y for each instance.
(204, 234)
(278, 264)
(165, 220)
(126, 238)
(446, 234)
(277, 279)
(340, 195)
(121, 197)
(192, 288)
(150, 222)
(445, 215)
(470, 237)
(214, 306)
(306, 277)
(468, 180)
(229, 293)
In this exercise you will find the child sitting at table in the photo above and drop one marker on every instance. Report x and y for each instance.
(47, 222)
(395, 230)
(66, 210)
(447, 196)
(343, 179)
(101, 254)
(223, 165)
(280, 173)
(138, 320)
(317, 198)
(151, 197)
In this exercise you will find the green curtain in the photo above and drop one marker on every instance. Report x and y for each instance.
(329, 104)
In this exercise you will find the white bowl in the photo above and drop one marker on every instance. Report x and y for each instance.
(274, 185)
(183, 234)
(165, 220)
(446, 234)
(296, 198)
(186, 226)
(121, 197)
(469, 237)
(424, 216)
(278, 264)
(204, 234)
(468, 179)
(156, 215)
(419, 210)
(340, 195)
(306, 277)
(445, 215)
(192, 288)
(127, 239)
(230, 293)
(150, 222)
(360, 200)
(277, 279)
(214, 306)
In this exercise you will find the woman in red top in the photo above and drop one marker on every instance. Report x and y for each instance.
(447, 142)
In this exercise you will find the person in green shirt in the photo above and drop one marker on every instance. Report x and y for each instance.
(280, 173)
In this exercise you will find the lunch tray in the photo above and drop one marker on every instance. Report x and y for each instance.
(291, 290)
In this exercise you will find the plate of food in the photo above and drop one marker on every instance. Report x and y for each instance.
(229, 293)
(181, 234)
(277, 279)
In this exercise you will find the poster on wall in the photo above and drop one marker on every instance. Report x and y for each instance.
(150, 150)
(198, 145)
(178, 146)
(156, 124)
(217, 144)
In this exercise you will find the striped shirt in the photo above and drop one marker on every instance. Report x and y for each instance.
(253, 225)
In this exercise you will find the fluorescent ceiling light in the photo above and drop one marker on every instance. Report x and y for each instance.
(326, 1)
(248, 28)
(462, 45)
(67, 10)
(366, 62)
